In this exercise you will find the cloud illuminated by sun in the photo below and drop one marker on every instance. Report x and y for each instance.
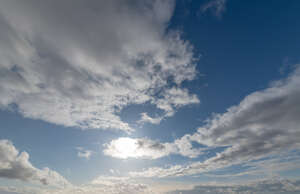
(125, 147)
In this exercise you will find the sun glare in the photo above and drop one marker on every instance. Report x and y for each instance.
(126, 147)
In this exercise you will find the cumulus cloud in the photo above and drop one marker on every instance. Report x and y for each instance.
(126, 147)
(260, 187)
(217, 7)
(80, 65)
(264, 124)
(84, 153)
(15, 165)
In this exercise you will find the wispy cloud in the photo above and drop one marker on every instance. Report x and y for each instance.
(170, 100)
(216, 7)
(264, 124)
(84, 153)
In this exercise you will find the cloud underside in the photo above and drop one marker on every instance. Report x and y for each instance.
(15, 165)
(80, 65)
(264, 127)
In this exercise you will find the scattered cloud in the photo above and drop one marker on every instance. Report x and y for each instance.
(216, 7)
(79, 66)
(83, 153)
(15, 165)
(265, 124)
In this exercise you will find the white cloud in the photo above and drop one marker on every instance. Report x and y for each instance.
(145, 118)
(83, 153)
(126, 147)
(265, 124)
(80, 65)
(15, 165)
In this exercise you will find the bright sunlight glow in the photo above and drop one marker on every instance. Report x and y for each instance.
(126, 147)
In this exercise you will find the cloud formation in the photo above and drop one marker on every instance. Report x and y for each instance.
(15, 165)
(80, 65)
(265, 124)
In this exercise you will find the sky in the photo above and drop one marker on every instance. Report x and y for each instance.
(154, 97)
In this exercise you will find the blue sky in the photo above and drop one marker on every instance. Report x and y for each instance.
(149, 96)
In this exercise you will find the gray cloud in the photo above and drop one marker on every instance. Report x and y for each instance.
(15, 165)
(79, 65)
(264, 124)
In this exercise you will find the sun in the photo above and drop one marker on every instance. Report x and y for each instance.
(126, 147)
